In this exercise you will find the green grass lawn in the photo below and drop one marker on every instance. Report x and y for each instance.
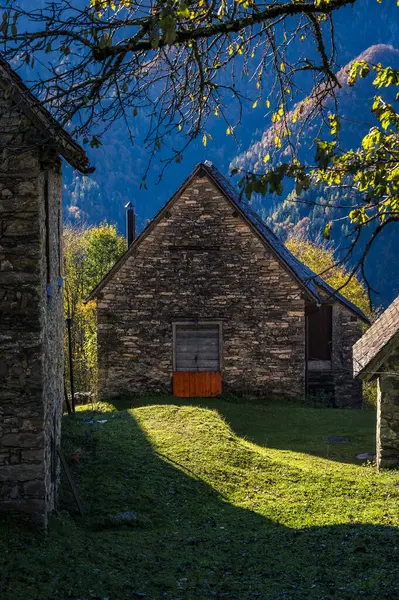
(232, 501)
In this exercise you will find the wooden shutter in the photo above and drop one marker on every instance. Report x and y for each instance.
(319, 332)
(197, 347)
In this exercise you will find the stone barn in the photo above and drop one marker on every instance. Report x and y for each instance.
(376, 358)
(207, 299)
(31, 297)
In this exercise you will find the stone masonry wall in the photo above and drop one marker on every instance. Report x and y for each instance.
(202, 261)
(53, 338)
(347, 329)
(30, 328)
(388, 413)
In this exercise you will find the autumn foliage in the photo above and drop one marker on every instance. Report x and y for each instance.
(89, 253)
(320, 258)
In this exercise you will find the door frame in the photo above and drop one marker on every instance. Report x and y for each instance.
(176, 324)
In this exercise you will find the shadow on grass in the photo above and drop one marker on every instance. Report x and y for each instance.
(186, 540)
(285, 425)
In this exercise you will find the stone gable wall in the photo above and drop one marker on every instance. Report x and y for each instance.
(202, 262)
(31, 371)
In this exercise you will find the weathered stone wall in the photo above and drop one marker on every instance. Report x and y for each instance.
(30, 340)
(347, 329)
(53, 339)
(202, 261)
(388, 413)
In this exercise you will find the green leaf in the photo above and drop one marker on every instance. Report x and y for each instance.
(298, 188)
(327, 231)
(154, 40)
(335, 124)
(168, 26)
(95, 142)
(359, 68)
(183, 11)
(248, 190)
(324, 153)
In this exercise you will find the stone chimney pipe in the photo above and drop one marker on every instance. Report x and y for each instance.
(130, 224)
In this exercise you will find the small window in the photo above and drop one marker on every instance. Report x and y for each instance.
(196, 346)
(319, 332)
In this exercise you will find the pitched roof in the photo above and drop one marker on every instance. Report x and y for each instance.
(308, 280)
(51, 130)
(376, 343)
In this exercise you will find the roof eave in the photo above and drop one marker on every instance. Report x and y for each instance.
(371, 369)
(76, 157)
(64, 143)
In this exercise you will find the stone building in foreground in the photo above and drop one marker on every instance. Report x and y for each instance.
(376, 357)
(208, 299)
(31, 292)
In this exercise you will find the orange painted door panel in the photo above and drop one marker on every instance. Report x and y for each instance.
(197, 384)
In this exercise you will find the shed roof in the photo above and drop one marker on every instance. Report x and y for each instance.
(53, 133)
(307, 279)
(370, 351)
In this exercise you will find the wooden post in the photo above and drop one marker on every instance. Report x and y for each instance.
(69, 408)
(70, 357)
(70, 481)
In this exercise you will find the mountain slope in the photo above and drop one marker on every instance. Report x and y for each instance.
(354, 108)
(120, 166)
(287, 216)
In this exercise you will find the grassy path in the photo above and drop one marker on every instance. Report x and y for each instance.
(231, 501)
